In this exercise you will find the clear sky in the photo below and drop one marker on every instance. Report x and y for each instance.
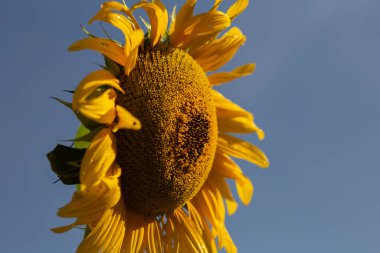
(316, 92)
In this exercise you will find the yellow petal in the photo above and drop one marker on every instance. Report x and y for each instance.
(237, 8)
(224, 77)
(218, 181)
(63, 229)
(220, 51)
(245, 190)
(115, 19)
(198, 27)
(158, 16)
(192, 241)
(229, 169)
(234, 119)
(125, 120)
(216, 5)
(142, 233)
(100, 109)
(98, 158)
(209, 202)
(104, 46)
(232, 206)
(184, 14)
(94, 199)
(122, 8)
(92, 101)
(200, 223)
(225, 240)
(108, 234)
(243, 150)
(133, 37)
(153, 237)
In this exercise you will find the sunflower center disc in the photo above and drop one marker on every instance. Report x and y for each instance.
(166, 162)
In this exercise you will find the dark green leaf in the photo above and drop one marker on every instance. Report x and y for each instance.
(66, 162)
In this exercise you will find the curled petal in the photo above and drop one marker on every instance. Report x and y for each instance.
(199, 27)
(106, 47)
(94, 98)
(214, 55)
(133, 37)
(112, 5)
(115, 19)
(100, 109)
(225, 77)
(158, 16)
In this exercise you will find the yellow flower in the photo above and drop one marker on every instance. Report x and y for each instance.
(154, 175)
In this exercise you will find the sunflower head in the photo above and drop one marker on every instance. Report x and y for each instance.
(153, 171)
(168, 160)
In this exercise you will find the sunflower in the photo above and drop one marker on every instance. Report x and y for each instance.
(154, 174)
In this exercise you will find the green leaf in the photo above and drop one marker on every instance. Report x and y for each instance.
(80, 140)
(112, 66)
(66, 162)
(87, 123)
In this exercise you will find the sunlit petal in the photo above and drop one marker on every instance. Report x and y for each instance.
(225, 77)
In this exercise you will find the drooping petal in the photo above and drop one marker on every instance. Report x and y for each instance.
(209, 203)
(153, 237)
(214, 55)
(106, 47)
(125, 120)
(219, 182)
(98, 158)
(142, 233)
(189, 240)
(94, 99)
(234, 119)
(108, 234)
(237, 8)
(225, 77)
(95, 198)
(158, 16)
(227, 168)
(200, 223)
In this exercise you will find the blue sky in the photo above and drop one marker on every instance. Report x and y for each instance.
(315, 92)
